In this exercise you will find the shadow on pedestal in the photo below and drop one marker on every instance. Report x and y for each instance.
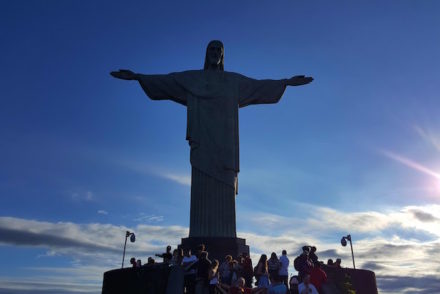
(217, 247)
(147, 279)
(363, 281)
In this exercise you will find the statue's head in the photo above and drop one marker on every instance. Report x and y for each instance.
(214, 58)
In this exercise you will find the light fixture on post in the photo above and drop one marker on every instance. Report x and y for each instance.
(132, 239)
(344, 243)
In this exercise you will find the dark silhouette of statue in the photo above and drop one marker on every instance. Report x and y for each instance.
(212, 97)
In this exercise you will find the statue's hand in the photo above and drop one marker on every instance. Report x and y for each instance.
(124, 74)
(298, 81)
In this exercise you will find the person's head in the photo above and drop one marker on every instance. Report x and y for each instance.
(175, 252)
(203, 255)
(313, 249)
(214, 58)
(263, 258)
(150, 260)
(139, 263)
(306, 279)
(338, 262)
(132, 260)
(273, 256)
(214, 264)
(330, 261)
(284, 252)
(294, 282)
(228, 258)
(306, 250)
(168, 249)
(188, 252)
(180, 252)
(201, 247)
(240, 282)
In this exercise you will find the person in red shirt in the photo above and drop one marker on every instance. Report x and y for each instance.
(318, 276)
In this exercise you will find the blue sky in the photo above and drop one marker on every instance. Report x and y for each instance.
(83, 156)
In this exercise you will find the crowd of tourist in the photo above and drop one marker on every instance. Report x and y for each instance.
(271, 275)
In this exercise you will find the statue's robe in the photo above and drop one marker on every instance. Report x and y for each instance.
(212, 99)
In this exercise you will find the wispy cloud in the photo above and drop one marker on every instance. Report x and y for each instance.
(423, 216)
(326, 221)
(47, 286)
(409, 284)
(428, 136)
(103, 212)
(139, 167)
(82, 196)
(91, 241)
(181, 179)
(148, 218)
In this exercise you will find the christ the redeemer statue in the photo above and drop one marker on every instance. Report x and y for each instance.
(212, 97)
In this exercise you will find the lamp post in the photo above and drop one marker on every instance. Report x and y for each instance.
(344, 243)
(132, 239)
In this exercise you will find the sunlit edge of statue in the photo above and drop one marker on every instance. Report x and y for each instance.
(212, 97)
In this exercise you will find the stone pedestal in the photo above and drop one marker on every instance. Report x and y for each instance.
(217, 247)
(147, 279)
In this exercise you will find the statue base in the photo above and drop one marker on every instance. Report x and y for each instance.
(217, 247)
(147, 279)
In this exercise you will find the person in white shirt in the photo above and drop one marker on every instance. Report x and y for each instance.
(190, 272)
(283, 272)
(306, 287)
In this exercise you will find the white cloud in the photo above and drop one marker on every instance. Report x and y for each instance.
(82, 196)
(89, 196)
(86, 241)
(104, 212)
(324, 220)
(49, 284)
(180, 179)
(150, 218)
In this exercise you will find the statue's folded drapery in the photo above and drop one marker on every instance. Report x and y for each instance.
(212, 99)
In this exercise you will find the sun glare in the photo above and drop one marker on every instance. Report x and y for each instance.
(412, 164)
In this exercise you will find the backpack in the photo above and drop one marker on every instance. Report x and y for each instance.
(274, 265)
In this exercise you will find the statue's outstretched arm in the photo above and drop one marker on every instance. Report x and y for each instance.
(252, 91)
(125, 74)
(298, 81)
(157, 87)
